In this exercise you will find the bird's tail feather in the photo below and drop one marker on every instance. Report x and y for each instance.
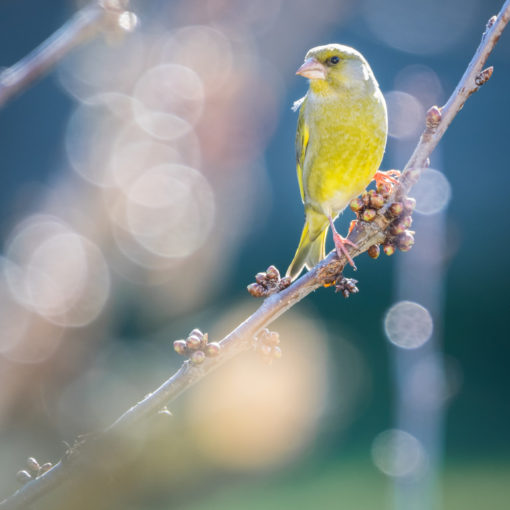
(309, 252)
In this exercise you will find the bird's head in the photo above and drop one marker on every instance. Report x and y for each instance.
(335, 65)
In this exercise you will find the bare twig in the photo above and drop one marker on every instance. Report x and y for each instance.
(81, 27)
(327, 271)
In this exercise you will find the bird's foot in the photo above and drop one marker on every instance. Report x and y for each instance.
(381, 177)
(340, 246)
(340, 243)
(346, 286)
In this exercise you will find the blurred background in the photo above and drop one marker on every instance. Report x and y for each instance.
(150, 176)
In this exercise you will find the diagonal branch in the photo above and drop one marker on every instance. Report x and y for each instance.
(81, 27)
(240, 339)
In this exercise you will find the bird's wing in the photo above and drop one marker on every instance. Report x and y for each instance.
(302, 136)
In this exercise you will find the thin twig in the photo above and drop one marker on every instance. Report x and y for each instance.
(364, 235)
(81, 27)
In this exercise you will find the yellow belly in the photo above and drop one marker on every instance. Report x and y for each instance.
(345, 150)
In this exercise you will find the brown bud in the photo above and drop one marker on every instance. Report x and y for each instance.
(374, 251)
(407, 221)
(405, 241)
(272, 339)
(395, 209)
(212, 349)
(284, 282)
(45, 467)
(272, 273)
(23, 476)
(256, 290)
(376, 201)
(196, 332)
(276, 353)
(368, 215)
(365, 198)
(204, 340)
(409, 204)
(180, 347)
(384, 188)
(193, 343)
(356, 205)
(197, 357)
(433, 117)
(397, 228)
(260, 278)
(388, 249)
(484, 76)
(33, 465)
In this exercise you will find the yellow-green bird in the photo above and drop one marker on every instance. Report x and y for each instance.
(340, 142)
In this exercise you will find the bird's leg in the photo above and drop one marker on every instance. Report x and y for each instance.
(381, 177)
(340, 243)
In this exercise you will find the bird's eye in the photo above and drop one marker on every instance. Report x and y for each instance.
(334, 60)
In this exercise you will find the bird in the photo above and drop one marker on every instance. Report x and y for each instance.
(340, 141)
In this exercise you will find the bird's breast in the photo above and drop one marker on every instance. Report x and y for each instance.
(345, 148)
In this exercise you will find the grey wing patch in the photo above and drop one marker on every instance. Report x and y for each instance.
(297, 104)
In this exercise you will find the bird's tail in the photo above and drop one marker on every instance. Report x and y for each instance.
(310, 251)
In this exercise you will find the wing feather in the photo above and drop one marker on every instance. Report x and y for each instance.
(302, 137)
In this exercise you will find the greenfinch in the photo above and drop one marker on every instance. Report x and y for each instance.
(340, 141)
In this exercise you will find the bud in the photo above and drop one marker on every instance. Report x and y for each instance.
(45, 467)
(193, 342)
(409, 204)
(384, 188)
(374, 251)
(368, 215)
(256, 290)
(376, 201)
(365, 198)
(260, 278)
(204, 340)
(212, 349)
(272, 273)
(272, 339)
(405, 241)
(277, 353)
(23, 476)
(284, 282)
(407, 221)
(197, 357)
(356, 205)
(33, 465)
(397, 228)
(196, 332)
(433, 117)
(388, 249)
(180, 347)
(396, 209)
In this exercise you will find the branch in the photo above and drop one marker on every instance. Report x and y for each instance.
(85, 24)
(240, 339)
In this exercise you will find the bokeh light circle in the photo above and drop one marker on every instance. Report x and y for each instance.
(408, 325)
(405, 114)
(432, 192)
(420, 27)
(398, 454)
(168, 101)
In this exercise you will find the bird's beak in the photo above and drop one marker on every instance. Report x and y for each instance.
(312, 69)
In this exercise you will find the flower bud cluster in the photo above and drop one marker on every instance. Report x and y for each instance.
(197, 347)
(399, 236)
(268, 283)
(267, 344)
(34, 469)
